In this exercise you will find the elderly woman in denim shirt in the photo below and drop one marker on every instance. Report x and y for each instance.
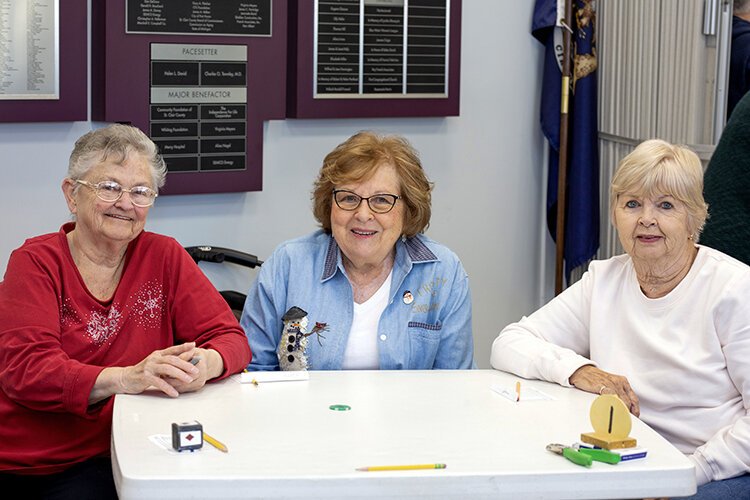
(368, 290)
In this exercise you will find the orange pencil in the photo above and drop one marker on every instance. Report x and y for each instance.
(518, 391)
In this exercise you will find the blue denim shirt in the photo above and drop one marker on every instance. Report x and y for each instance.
(433, 331)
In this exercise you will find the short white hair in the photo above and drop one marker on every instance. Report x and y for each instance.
(115, 142)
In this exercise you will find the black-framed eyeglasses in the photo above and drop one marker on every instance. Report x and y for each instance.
(110, 191)
(379, 203)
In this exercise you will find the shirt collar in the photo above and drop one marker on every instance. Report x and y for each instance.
(415, 248)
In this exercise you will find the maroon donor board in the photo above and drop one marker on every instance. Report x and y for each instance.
(199, 77)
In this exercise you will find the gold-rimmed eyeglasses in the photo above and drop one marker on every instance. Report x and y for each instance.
(110, 191)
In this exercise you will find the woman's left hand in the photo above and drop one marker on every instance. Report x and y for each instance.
(592, 379)
(210, 365)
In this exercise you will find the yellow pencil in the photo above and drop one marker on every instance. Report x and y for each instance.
(402, 467)
(518, 391)
(215, 443)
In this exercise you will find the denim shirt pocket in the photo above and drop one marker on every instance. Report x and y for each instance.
(424, 340)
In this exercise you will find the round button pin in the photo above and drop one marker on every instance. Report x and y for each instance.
(340, 407)
(408, 297)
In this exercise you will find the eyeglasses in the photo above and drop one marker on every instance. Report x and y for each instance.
(110, 191)
(378, 203)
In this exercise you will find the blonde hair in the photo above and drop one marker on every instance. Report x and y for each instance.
(655, 168)
(357, 159)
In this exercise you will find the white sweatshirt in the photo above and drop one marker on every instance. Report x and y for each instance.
(686, 355)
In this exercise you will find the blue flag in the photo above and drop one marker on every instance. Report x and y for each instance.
(582, 198)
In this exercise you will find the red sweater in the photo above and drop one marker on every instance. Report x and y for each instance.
(55, 338)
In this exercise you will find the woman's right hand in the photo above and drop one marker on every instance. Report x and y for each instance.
(159, 366)
(591, 379)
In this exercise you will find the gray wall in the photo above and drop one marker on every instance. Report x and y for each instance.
(487, 165)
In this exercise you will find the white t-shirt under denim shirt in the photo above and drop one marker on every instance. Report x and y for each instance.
(362, 347)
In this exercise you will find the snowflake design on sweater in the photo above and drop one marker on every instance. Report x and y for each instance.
(100, 327)
(148, 304)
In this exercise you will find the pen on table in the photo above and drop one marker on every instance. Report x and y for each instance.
(402, 467)
(518, 391)
(215, 443)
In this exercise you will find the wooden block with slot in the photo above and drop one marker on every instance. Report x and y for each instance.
(611, 420)
(609, 444)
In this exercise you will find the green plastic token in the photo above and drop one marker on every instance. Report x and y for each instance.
(340, 407)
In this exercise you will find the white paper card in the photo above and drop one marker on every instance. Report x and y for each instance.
(280, 376)
(164, 441)
(527, 393)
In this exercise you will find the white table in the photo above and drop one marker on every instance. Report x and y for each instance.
(285, 442)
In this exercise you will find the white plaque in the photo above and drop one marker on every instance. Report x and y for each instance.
(29, 49)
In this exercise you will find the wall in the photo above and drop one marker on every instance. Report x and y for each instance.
(486, 165)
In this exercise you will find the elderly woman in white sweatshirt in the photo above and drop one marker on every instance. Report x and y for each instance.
(666, 326)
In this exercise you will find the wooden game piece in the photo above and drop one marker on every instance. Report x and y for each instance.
(611, 421)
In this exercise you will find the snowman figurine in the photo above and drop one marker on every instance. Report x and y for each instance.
(293, 343)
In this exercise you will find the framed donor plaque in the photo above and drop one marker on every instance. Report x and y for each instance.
(199, 77)
(374, 58)
(43, 64)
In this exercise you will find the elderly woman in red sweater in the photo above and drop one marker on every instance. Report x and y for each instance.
(100, 308)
